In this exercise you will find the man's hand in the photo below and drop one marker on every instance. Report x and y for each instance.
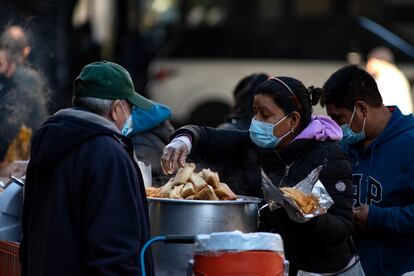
(175, 154)
(361, 217)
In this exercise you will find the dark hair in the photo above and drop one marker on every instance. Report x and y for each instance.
(243, 95)
(348, 85)
(300, 101)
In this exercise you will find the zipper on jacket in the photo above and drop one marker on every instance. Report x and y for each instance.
(287, 167)
(285, 175)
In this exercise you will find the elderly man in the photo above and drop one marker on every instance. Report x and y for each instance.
(85, 209)
(380, 143)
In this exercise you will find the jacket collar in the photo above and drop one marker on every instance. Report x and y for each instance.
(294, 151)
(89, 116)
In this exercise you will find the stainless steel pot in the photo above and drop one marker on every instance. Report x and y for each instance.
(193, 217)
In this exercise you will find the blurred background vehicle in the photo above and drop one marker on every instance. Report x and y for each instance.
(214, 48)
(189, 54)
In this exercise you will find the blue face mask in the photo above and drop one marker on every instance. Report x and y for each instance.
(349, 136)
(128, 125)
(262, 135)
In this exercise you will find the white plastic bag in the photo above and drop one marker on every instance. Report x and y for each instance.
(146, 173)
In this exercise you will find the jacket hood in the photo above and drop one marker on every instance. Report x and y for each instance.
(398, 124)
(66, 130)
(144, 120)
(321, 128)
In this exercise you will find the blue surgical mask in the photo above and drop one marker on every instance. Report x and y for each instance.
(127, 128)
(262, 135)
(128, 125)
(349, 136)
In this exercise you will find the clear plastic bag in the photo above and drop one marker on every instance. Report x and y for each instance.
(309, 185)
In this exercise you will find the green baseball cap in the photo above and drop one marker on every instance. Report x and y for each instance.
(108, 80)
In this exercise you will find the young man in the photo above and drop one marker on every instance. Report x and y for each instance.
(85, 210)
(380, 143)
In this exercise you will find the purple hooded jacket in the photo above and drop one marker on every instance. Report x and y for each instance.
(321, 128)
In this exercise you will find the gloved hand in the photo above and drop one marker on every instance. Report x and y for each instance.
(175, 153)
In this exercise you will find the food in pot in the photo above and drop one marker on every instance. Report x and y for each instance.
(207, 193)
(198, 182)
(224, 192)
(184, 174)
(176, 192)
(187, 184)
(188, 190)
(211, 178)
(306, 202)
(153, 192)
(167, 188)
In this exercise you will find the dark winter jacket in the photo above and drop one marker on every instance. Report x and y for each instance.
(85, 210)
(22, 102)
(322, 244)
(241, 123)
(149, 146)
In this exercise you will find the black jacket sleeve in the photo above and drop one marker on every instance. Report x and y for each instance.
(113, 212)
(216, 146)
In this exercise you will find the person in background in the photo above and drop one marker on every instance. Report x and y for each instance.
(85, 209)
(380, 143)
(15, 39)
(240, 117)
(22, 103)
(150, 132)
(241, 114)
(288, 143)
(392, 84)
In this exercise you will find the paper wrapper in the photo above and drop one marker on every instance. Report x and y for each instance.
(311, 184)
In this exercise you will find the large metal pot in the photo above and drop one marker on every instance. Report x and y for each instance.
(193, 217)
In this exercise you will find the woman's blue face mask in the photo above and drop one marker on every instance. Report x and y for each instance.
(262, 135)
(349, 136)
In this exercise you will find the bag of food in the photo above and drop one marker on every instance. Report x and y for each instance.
(304, 201)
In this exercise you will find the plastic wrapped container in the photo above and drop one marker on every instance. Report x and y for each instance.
(236, 253)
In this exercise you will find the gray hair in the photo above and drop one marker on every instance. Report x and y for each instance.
(99, 106)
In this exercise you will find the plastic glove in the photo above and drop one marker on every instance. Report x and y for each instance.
(175, 154)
